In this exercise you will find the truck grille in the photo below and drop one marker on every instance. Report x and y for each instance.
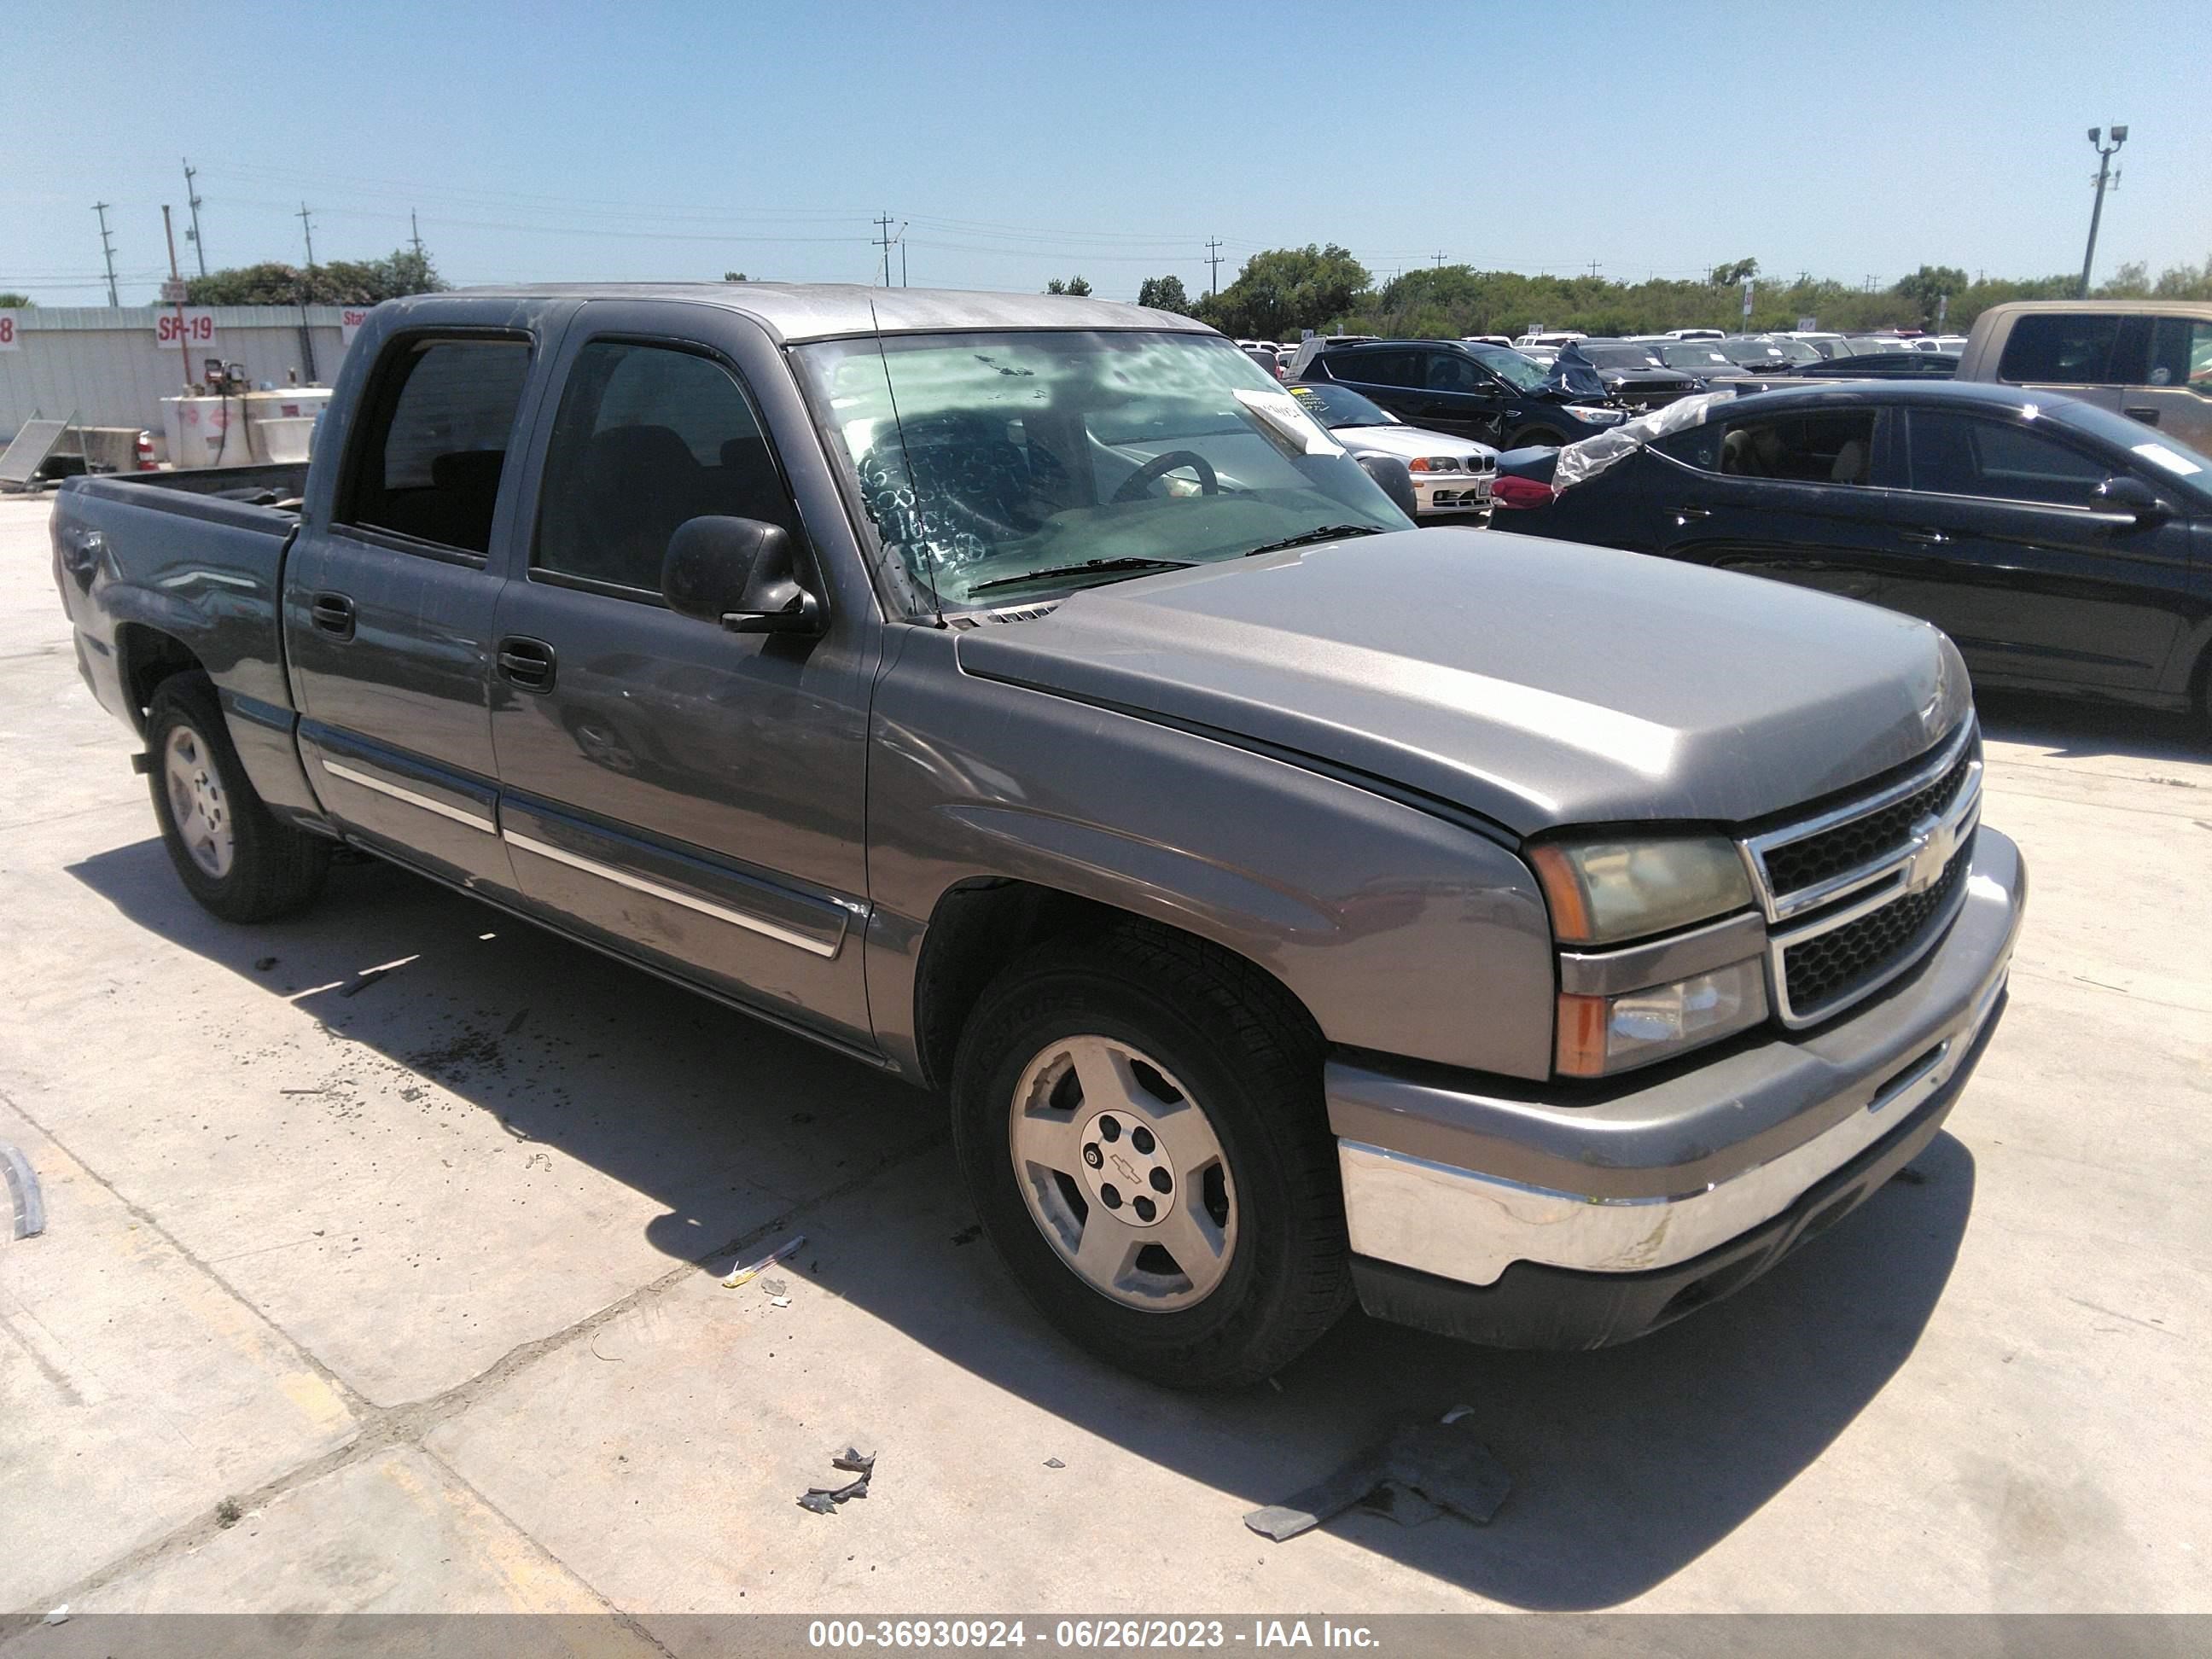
(1820, 857)
(1856, 894)
(1825, 971)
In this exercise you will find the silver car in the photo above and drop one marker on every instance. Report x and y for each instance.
(1452, 477)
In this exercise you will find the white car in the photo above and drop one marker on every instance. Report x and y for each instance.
(1452, 477)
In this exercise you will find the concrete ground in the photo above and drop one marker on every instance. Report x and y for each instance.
(384, 1290)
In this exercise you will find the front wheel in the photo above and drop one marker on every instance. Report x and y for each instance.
(1536, 436)
(1139, 1120)
(231, 852)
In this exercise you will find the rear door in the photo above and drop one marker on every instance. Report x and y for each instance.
(2012, 553)
(388, 608)
(688, 796)
(1390, 375)
(1794, 495)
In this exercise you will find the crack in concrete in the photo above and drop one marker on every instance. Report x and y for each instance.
(382, 1428)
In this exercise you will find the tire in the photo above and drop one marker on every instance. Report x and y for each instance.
(1206, 1049)
(1532, 436)
(230, 851)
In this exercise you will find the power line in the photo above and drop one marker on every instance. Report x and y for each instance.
(106, 250)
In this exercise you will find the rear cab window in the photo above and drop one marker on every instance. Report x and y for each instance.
(2078, 348)
(425, 468)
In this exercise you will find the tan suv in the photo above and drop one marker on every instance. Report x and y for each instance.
(2150, 359)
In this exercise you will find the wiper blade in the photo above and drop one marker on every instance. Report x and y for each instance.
(1327, 532)
(1084, 569)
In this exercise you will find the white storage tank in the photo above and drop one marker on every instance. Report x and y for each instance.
(245, 429)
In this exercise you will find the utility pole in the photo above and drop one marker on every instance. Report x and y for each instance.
(177, 290)
(2105, 154)
(1592, 268)
(884, 237)
(1213, 260)
(1437, 260)
(306, 336)
(902, 256)
(415, 233)
(107, 250)
(192, 201)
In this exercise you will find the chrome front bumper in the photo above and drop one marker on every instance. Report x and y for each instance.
(1462, 1186)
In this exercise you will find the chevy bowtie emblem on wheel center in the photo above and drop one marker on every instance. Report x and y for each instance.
(1933, 843)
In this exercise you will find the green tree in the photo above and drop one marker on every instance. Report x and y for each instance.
(340, 282)
(1734, 274)
(1285, 290)
(735, 276)
(1927, 286)
(1074, 285)
(1164, 294)
(15, 302)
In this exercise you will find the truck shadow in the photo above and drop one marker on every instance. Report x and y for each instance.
(2072, 727)
(1628, 1464)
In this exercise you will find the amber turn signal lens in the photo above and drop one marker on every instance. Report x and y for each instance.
(1563, 892)
(1581, 1045)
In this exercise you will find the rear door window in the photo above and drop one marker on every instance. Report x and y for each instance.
(1377, 368)
(2181, 354)
(441, 421)
(2084, 347)
(1960, 455)
(1831, 446)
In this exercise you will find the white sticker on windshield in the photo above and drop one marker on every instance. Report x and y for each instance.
(1281, 412)
(2173, 460)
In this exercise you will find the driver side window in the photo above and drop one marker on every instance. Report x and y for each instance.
(1450, 371)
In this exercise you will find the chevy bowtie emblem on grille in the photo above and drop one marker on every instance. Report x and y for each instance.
(1933, 842)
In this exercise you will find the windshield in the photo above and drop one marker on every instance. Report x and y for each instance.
(1759, 354)
(1620, 356)
(1523, 373)
(987, 461)
(1698, 358)
(1334, 406)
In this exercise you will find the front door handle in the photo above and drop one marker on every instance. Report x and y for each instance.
(1924, 537)
(1686, 513)
(526, 664)
(331, 614)
(2148, 416)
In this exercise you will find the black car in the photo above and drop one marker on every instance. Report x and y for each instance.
(1634, 373)
(1490, 393)
(1884, 366)
(1702, 360)
(2062, 546)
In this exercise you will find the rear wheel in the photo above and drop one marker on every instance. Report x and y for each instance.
(1529, 437)
(1139, 1120)
(230, 851)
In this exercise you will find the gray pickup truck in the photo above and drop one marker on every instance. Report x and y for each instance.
(1026, 698)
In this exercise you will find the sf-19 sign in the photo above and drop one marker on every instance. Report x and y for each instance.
(194, 327)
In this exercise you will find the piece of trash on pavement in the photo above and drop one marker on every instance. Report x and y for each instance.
(968, 1235)
(59, 1616)
(773, 1287)
(1420, 1472)
(779, 1302)
(761, 1264)
(824, 1500)
(1054, 1463)
(27, 1206)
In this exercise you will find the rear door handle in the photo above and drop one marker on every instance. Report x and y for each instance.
(2148, 416)
(1924, 537)
(332, 613)
(526, 664)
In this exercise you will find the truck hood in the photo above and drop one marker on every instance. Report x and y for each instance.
(1536, 683)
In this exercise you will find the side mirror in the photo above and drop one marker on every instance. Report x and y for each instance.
(1396, 479)
(2122, 494)
(738, 573)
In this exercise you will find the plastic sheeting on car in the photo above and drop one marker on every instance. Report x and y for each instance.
(1591, 456)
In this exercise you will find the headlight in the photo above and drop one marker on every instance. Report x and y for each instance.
(1601, 1035)
(1595, 415)
(1432, 464)
(1603, 891)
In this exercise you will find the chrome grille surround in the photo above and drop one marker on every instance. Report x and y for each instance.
(1919, 858)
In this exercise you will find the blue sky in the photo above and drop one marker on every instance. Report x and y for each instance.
(563, 141)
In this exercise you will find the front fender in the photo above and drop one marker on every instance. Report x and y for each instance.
(1400, 931)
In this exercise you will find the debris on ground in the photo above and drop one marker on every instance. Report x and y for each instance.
(968, 1235)
(1420, 1472)
(27, 1206)
(745, 1271)
(227, 1513)
(779, 1302)
(59, 1616)
(1054, 1463)
(824, 1500)
(773, 1287)
(262, 965)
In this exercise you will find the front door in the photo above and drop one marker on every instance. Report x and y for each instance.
(2012, 553)
(389, 608)
(689, 796)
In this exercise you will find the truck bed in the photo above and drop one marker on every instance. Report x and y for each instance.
(263, 498)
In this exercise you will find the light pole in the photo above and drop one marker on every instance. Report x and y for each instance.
(2105, 154)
